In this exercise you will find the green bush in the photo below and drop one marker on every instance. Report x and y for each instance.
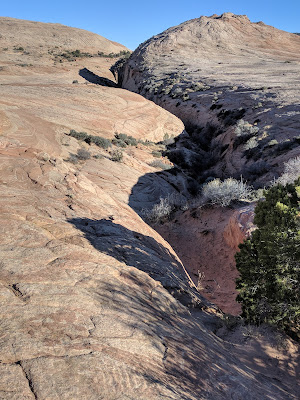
(119, 143)
(78, 135)
(117, 155)
(83, 154)
(269, 262)
(157, 153)
(244, 128)
(127, 139)
(99, 141)
(89, 139)
(124, 54)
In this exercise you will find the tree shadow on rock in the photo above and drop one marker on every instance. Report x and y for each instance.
(194, 363)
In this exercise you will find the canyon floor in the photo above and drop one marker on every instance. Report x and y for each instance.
(96, 303)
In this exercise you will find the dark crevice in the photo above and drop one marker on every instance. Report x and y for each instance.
(28, 378)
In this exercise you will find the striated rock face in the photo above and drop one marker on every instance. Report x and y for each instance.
(235, 85)
(94, 303)
(39, 36)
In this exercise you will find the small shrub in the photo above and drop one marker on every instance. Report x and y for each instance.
(251, 143)
(230, 117)
(185, 97)
(117, 155)
(83, 154)
(223, 193)
(161, 212)
(127, 139)
(124, 54)
(89, 139)
(160, 164)
(98, 156)
(291, 171)
(73, 159)
(99, 141)
(168, 139)
(78, 135)
(156, 153)
(244, 128)
(75, 81)
(119, 143)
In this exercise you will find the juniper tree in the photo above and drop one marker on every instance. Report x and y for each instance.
(269, 261)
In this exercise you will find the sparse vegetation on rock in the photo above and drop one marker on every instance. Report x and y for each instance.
(97, 140)
(223, 193)
(291, 171)
(123, 140)
(117, 155)
(160, 165)
(83, 154)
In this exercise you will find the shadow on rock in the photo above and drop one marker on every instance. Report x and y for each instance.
(98, 80)
(142, 252)
(191, 362)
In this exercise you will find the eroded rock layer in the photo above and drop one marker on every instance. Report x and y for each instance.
(235, 85)
(94, 303)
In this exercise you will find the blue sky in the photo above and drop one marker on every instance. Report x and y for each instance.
(130, 22)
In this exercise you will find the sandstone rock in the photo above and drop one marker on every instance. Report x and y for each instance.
(213, 72)
(95, 303)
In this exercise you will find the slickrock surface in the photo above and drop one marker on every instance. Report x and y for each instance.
(236, 86)
(94, 303)
(216, 71)
(39, 36)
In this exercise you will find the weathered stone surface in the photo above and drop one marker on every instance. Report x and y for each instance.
(218, 70)
(40, 36)
(89, 292)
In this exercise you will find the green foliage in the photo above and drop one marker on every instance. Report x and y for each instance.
(124, 54)
(269, 262)
(97, 140)
(83, 154)
(117, 155)
(121, 138)
(157, 154)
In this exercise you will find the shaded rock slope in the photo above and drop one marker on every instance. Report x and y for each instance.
(94, 303)
(235, 85)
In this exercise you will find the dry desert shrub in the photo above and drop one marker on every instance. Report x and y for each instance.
(291, 171)
(245, 128)
(161, 211)
(160, 165)
(223, 193)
